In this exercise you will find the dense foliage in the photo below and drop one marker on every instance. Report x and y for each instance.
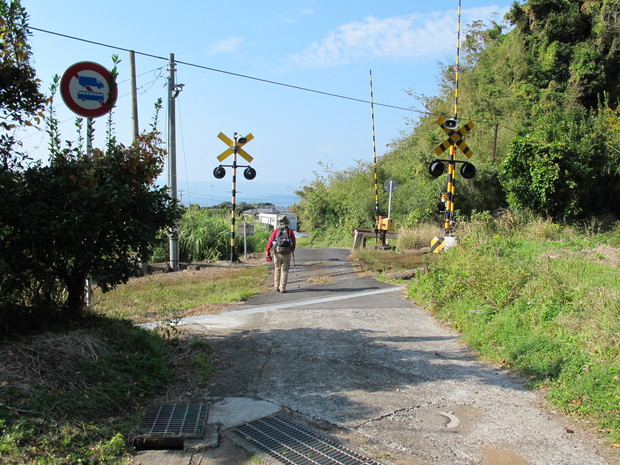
(81, 215)
(542, 90)
(20, 99)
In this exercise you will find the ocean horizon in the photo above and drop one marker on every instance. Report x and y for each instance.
(207, 193)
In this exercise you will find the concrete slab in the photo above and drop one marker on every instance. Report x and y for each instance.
(234, 411)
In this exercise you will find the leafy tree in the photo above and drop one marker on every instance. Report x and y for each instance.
(20, 99)
(316, 207)
(571, 46)
(78, 216)
(91, 216)
(20, 103)
(567, 168)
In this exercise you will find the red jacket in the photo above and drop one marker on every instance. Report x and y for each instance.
(272, 238)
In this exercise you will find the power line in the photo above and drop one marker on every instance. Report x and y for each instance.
(245, 76)
(253, 78)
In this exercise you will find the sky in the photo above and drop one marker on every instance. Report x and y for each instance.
(264, 68)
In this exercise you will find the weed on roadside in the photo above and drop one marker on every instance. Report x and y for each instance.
(539, 300)
(168, 296)
(71, 397)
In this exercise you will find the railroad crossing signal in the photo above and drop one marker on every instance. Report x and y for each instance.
(235, 145)
(455, 136)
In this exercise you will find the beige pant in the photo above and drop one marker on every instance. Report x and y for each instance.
(282, 265)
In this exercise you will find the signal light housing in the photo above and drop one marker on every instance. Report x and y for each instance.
(249, 173)
(219, 172)
(468, 170)
(436, 168)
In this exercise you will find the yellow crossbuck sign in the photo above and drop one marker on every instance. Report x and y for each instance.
(231, 145)
(454, 137)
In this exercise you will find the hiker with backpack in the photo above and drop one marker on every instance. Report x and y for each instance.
(282, 243)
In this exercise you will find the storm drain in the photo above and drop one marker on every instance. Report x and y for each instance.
(167, 426)
(292, 444)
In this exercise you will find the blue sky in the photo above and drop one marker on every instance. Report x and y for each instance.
(324, 45)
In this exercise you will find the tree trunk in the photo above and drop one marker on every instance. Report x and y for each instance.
(76, 299)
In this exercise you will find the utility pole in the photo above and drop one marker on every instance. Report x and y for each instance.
(172, 159)
(134, 94)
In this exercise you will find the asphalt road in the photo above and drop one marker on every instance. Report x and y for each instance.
(353, 357)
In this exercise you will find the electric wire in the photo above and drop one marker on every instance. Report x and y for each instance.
(245, 76)
(189, 200)
(230, 73)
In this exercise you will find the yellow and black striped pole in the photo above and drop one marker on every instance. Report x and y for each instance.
(449, 220)
(450, 191)
(233, 252)
(458, 54)
(374, 149)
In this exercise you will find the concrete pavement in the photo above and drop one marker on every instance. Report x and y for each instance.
(350, 355)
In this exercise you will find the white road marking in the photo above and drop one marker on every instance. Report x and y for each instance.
(266, 308)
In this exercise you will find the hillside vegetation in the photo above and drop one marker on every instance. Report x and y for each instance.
(542, 90)
(539, 299)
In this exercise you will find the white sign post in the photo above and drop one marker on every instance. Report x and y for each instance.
(390, 186)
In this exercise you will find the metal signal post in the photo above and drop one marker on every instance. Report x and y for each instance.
(455, 139)
(374, 150)
(449, 220)
(382, 224)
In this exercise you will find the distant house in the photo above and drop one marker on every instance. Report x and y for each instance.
(256, 211)
(273, 218)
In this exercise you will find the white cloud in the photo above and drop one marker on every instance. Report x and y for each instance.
(296, 13)
(228, 45)
(397, 39)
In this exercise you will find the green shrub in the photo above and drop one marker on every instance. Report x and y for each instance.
(540, 299)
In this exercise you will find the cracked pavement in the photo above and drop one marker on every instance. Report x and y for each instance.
(353, 357)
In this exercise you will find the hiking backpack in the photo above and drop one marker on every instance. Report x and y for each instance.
(282, 242)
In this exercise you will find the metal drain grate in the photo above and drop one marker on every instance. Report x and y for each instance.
(185, 420)
(292, 444)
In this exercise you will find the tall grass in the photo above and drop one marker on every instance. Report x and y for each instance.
(204, 236)
(417, 237)
(540, 298)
